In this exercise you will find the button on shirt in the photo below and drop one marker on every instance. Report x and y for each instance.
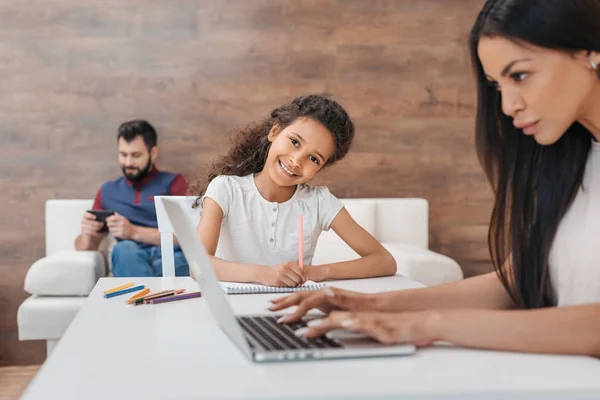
(256, 231)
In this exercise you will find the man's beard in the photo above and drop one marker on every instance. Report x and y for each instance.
(140, 174)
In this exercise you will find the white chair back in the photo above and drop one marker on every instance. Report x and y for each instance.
(166, 230)
(63, 223)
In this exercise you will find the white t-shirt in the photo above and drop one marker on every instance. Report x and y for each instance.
(256, 231)
(575, 257)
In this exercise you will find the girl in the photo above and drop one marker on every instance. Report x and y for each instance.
(538, 132)
(256, 193)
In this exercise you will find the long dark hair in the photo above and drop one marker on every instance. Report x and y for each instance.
(534, 185)
(250, 145)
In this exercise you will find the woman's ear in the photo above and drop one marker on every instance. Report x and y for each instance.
(590, 58)
(273, 132)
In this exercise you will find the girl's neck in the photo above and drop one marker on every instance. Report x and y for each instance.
(270, 191)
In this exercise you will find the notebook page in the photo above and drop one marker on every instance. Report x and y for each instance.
(251, 288)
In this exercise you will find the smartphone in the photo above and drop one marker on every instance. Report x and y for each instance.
(101, 216)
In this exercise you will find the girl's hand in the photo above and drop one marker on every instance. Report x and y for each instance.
(288, 274)
(417, 328)
(326, 300)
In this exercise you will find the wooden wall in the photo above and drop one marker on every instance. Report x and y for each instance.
(72, 71)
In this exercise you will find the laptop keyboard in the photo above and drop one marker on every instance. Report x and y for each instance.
(274, 336)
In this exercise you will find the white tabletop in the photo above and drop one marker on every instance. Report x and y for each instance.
(176, 351)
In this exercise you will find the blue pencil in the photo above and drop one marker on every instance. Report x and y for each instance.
(120, 292)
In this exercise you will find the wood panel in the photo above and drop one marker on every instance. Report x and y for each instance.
(14, 380)
(71, 71)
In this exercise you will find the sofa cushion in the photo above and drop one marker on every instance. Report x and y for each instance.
(46, 318)
(331, 248)
(422, 265)
(67, 273)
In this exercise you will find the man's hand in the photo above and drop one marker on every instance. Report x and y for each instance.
(91, 227)
(120, 227)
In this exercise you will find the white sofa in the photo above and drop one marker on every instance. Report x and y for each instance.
(60, 282)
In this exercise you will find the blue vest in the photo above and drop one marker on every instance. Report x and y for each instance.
(136, 202)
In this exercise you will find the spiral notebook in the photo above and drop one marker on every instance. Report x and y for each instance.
(246, 288)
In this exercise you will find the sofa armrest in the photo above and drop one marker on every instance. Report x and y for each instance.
(68, 273)
(422, 265)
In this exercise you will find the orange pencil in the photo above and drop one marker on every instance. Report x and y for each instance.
(137, 296)
(116, 289)
(300, 243)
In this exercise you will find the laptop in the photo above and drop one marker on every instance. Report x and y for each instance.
(260, 337)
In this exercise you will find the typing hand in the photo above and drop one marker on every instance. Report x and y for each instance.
(288, 274)
(326, 300)
(89, 225)
(120, 226)
(417, 328)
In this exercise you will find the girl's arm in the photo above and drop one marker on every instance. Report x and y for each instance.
(375, 259)
(209, 229)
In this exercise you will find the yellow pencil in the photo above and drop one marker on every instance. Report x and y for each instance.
(116, 289)
(137, 296)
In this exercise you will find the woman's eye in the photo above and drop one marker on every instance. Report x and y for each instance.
(294, 142)
(314, 159)
(519, 76)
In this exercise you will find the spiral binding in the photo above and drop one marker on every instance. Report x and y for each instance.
(271, 289)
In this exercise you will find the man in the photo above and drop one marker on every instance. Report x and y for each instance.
(131, 197)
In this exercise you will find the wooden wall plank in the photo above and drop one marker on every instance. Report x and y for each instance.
(71, 72)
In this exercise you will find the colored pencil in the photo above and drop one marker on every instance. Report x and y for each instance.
(300, 242)
(191, 295)
(137, 296)
(120, 292)
(155, 294)
(116, 289)
(164, 293)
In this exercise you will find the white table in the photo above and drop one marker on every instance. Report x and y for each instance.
(176, 351)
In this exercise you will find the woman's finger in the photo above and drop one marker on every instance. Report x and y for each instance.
(319, 327)
(305, 305)
(286, 301)
(325, 299)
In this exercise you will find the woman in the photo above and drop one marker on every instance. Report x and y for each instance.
(538, 133)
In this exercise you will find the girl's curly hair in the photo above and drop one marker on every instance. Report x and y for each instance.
(250, 145)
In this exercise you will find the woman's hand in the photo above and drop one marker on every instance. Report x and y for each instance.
(326, 300)
(417, 328)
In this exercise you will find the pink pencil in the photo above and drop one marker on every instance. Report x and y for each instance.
(300, 242)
